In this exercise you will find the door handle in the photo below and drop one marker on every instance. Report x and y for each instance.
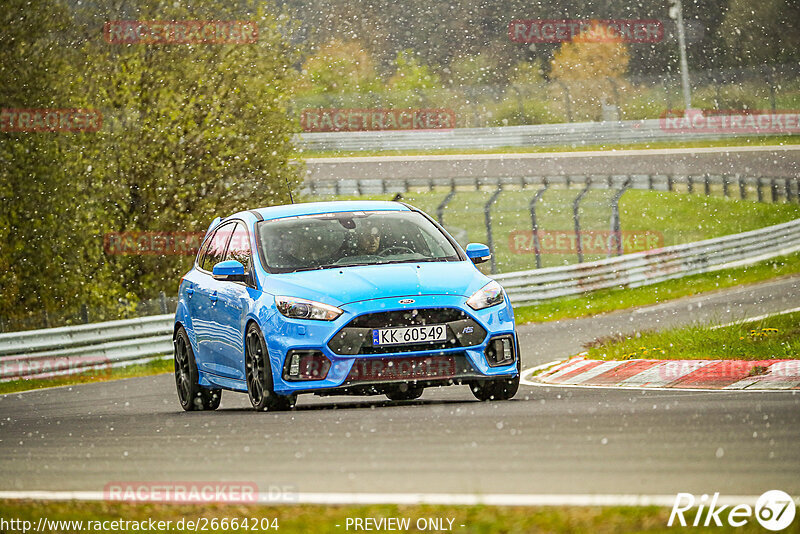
(213, 296)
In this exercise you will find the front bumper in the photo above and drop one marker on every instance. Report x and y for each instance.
(362, 369)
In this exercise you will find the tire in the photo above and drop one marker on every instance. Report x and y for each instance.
(399, 394)
(499, 389)
(258, 374)
(191, 395)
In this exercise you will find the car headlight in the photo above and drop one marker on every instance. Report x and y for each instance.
(297, 308)
(489, 295)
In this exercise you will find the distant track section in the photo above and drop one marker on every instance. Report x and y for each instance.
(571, 133)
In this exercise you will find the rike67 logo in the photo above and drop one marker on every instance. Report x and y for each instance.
(774, 510)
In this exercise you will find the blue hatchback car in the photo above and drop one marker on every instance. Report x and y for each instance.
(335, 298)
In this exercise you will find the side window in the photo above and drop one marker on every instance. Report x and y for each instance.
(201, 254)
(239, 247)
(216, 249)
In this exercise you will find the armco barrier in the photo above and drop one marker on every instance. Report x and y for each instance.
(37, 353)
(27, 354)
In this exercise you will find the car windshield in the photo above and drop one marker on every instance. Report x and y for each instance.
(335, 240)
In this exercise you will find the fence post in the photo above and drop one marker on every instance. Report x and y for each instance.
(576, 218)
(615, 91)
(616, 225)
(707, 184)
(725, 185)
(84, 313)
(520, 106)
(787, 190)
(771, 84)
(689, 184)
(487, 213)
(760, 193)
(162, 298)
(567, 103)
(742, 187)
(667, 95)
(670, 180)
(535, 222)
(440, 208)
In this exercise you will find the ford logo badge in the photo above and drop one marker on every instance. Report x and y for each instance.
(406, 301)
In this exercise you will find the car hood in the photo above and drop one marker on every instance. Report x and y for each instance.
(353, 284)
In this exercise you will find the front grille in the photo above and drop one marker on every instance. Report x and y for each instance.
(356, 336)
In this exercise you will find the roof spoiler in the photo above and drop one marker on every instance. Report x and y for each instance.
(214, 224)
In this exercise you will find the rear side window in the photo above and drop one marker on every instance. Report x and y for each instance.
(203, 250)
(239, 247)
(216, 249)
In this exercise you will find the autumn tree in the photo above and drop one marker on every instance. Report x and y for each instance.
(591, 69)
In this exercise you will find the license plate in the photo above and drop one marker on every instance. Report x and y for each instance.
(409, 335)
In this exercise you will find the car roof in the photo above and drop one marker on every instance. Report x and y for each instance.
(317, 208)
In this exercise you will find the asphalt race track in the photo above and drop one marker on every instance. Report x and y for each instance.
(777, 161)
(548, 440)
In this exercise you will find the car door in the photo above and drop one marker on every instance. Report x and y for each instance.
(230, 307)
(206, 316)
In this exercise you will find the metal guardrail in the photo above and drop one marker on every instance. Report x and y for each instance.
(49, 352)
(573, 133)
(653, 266)
(69, 349)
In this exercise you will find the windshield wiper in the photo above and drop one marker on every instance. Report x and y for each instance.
(422, 260)
(362, 264)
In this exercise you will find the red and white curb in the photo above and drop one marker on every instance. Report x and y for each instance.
(676, 374)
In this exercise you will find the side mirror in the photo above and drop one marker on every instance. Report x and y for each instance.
(478, 253)
(229, 271)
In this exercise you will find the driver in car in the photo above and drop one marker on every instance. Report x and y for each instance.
(369, 241)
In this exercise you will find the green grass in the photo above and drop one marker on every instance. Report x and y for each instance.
(144, 369)
(608, 300)
(776, 337)
(313, 519)
(735, 141)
